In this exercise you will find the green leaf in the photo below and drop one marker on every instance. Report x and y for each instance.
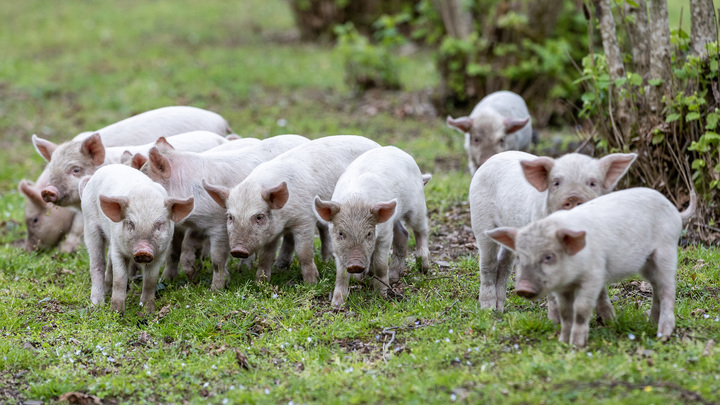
(635, 79)
(714, 183)
(620, 82)
(716, 169)
(673, 117)
(712, 120)
(632, 3)
(658, 138)
(698, 163)
(655, 82)
(714, 65)
(588, 97)
(692, 116)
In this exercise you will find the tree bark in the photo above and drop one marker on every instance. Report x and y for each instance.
(660, 54)
(457, 21)
(704, 30)
(616, 68)
(639, 37)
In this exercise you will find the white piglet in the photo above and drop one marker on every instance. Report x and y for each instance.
(499, 122)
(71, 161)
(277, 199)
(574, 254)
(377, 191)
(134, 218)
(183, 173)
(515, 188)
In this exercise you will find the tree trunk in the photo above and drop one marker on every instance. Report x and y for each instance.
(457, 21)
(704, 30)
(616, 68)
(660, 52)
(639, 37)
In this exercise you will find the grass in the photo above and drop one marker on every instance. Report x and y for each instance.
(71, 66)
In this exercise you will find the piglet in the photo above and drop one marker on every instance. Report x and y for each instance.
(277, 199)
(134, 218)
(183, 173)
(515, 188)
(70, 161)
(47, 224)
(377, 191)
(499, 122)
(574, 254)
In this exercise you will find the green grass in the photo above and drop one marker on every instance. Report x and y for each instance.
(76, 65)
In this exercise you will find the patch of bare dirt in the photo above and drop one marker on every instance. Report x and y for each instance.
(452, 236)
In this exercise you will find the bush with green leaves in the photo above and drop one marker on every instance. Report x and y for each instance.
(516, 46)
(367, 65)
(678, 145)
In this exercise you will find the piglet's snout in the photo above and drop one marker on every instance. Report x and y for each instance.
(143, 252)
(526, 289)
(50, 194)
(572, 202)
(355, 264)
(240, 252)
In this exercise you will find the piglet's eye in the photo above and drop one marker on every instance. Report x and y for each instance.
(341, 235)
(548, 258)
(229, 218)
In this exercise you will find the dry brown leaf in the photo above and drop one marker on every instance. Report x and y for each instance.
(241, 359)
(80, 398)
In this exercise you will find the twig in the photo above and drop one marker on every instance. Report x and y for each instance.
(709, 227)
(585, 142)
(395, 293)
(388, 331)
(449, 308)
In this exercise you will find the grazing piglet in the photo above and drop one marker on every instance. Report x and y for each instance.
(137, 160)
(182, 173)
(47, 224)
(131, 215)
(499, 122)
(379, 189)
(574, 254)
(515, 188)
(277, 199)
(69, 162)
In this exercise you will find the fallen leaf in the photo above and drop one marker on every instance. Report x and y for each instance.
(162, 313)
(79, 398)
(241, 359)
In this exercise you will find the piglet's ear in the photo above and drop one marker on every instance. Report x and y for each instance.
(126, 157)
(44, 147)
(325, 210)
(218, 193)
(93, 148)
(32, 193)
(504, 236)
(426, 178)
(138, 161)
(573, 241)
(158, 163)
(114, 207)
(615, 166)
(277, 196)
(179, 209)
(384, 211)
(514, 124)
(163, 144)
(537, 171)
(462, 124)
